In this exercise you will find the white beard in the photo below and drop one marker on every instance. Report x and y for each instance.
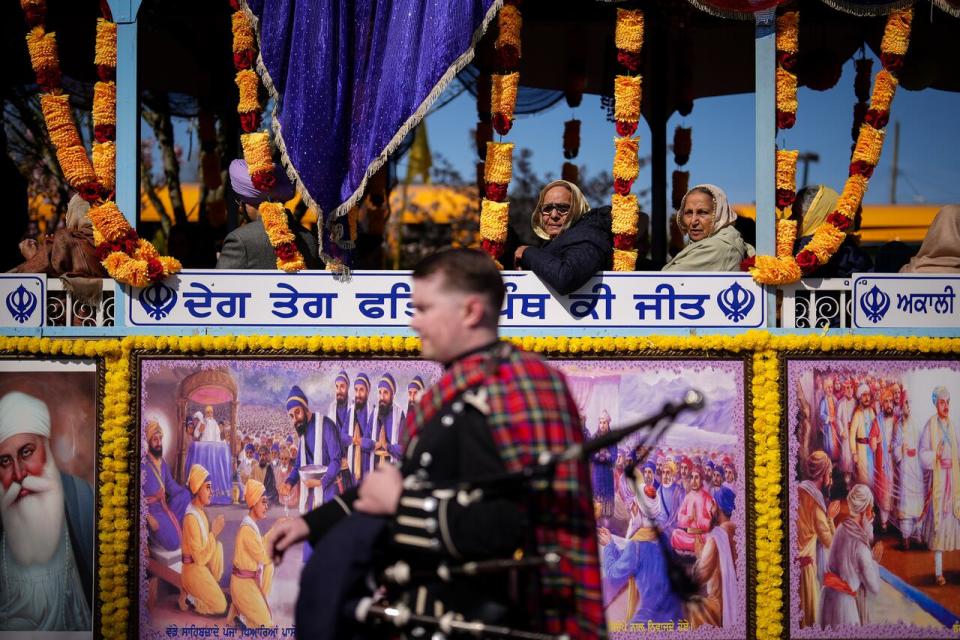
(33, 525)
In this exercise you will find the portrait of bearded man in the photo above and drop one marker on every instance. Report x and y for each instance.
(46, 527)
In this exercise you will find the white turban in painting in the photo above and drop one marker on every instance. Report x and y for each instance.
(21, 413)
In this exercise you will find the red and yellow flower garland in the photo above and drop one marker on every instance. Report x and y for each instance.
(256, 144)
(128, 259)
(494, 208)
(828, 237)
(787, 43)
(628, 96)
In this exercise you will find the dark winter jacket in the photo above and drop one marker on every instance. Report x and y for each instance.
(569, 260)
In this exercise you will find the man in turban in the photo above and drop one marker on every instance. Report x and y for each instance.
(166, 499)
(641, 560)
(718, 601)
(671, 497)
(202, 552)
(414, 392)
(912, 487)
(830, 432)
(319, 445)
(940, 457)
(815, 531)
(845, 408)
(208, 429)
(248, 246)
(865, 440)
(252, 575)
(388, 426)
(46, 527)
(359, 442)
(853, 570)
(340, 412)
(601, 468)
(496, 409)
(695, 516)
(889, 423)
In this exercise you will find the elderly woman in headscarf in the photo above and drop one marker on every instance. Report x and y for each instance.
(940, 251)
(248, 247)
(576, 241)
(810, 209)
(706, 218)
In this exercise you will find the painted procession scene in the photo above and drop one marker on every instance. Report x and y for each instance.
(48, 440)
(874, 499)
(231, 447)
(685, 510)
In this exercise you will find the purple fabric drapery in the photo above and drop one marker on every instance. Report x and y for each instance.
(350, 79)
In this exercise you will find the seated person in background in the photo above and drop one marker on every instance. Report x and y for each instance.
(248, 247)
(810, 208)
(715, 244)
(940, 251)
(577, 240)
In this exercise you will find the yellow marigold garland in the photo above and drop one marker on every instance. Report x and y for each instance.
(627, 91)
(786, 181)
(788, 32)
(624, 213)
(499, 165)
(627, 96)
(786, 93)
(767, 496)
(498, 169)
(95, 179)
(828, 237)
(106, 45)
(274, 217)
(248, 83)
(256, 145)
(105, 164)
(884, 87)
(105, 103)
(628, 34)
(788, 45)
(59, 118)
(503, 100)
(494, 217)
(626, 162)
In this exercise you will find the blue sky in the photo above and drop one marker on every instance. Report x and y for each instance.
(723, 140)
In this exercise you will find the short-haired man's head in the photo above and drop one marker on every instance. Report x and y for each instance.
(465, 271)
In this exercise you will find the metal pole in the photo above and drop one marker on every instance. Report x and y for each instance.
(765, 61)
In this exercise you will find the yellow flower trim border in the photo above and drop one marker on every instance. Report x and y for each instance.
(767, 355)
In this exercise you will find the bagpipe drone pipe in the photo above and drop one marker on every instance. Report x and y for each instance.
(370, 593)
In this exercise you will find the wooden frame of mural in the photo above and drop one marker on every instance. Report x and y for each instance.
(644, 537)
(862, 493)
(66, 393)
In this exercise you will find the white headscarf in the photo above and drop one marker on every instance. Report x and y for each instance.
(22, 413)
(859, 499)
(723, 215)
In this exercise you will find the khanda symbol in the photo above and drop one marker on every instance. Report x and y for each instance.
(875, 304)
(158, 300)
(735, 302)
(21, 303)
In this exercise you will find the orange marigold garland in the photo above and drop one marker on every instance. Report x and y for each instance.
(627, 107)
(680, 184)
(828, 237)
(787, 43)
(494, 207)
(786, 181)
(256, 144)
(128, 259)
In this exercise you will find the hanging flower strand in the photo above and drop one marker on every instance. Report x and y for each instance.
(498, 168)
(628, 96)
(128, 259)
(256, 144)
(828, 237)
